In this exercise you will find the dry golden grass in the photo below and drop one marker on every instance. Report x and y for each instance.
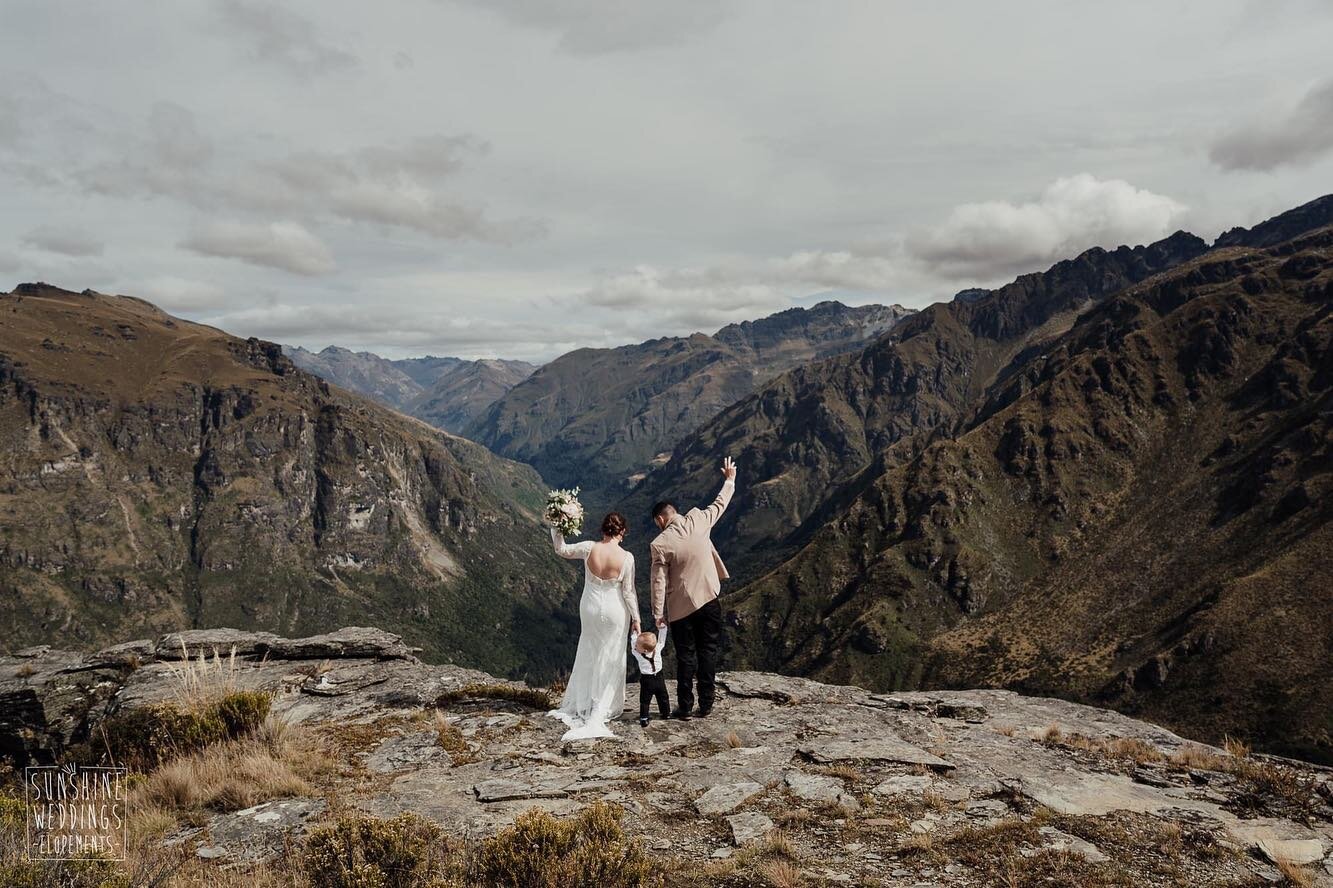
(452, 741)
(226, 777)
(202, 680)
(841, 770)
(1236, 748)
(917, 843)
(795, 816)
(1005, 730)
(781, 874)
(734, 740)
(530, 698)
(1295, 874)
(1051, 734)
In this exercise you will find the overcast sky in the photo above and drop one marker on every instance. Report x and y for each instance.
(516, 178)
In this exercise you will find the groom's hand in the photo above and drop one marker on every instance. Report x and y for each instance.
(729, 469)
(661, 622)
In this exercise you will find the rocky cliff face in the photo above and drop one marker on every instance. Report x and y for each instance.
(160, 474)
(602, 418)
(1123, 498)
(964, 788)
(448, 393)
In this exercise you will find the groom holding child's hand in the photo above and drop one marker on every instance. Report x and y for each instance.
(687, 575)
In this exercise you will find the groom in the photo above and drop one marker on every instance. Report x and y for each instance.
(687, 575)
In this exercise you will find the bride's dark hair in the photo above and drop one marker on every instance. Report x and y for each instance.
(614, 524)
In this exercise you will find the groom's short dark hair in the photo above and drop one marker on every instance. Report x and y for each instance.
(660, 508)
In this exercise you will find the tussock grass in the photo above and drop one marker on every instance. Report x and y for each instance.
(202, 680)
(145, 737)
(227, 777)
(841, 770)
(781, 874)
(1295, 874)
(452, 741)
(529, 698)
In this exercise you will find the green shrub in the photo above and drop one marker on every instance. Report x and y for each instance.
(542, 851)
(145, 737)
(243, 711)
(360, 851)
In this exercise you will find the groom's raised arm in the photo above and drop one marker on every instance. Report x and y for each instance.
(719, 505)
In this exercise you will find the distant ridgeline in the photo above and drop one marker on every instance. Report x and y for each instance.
(1108, 481)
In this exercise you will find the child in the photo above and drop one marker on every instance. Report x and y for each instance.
(647, 650)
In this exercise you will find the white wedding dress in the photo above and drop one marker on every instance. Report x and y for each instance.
(596, 689)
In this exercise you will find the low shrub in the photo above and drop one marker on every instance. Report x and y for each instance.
(542, 851)
(360, 851)
(147, 736)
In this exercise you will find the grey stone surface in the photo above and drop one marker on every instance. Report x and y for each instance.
(1060, 841)
(819, 789)
(727, 797)
(748, 827)
(876, 749)
(406, 751)
(676, 780)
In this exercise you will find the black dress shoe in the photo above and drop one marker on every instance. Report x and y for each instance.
(703, 711)
(682, 714)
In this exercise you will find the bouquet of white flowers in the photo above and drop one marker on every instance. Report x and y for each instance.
(564, 512)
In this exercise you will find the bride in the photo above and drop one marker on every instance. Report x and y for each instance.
(608, 610)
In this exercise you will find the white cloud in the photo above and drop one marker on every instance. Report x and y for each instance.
(593, 27)
(1295, 137)
(272, 33)
(74, 242)
(986, 241)
(181, 294)
(399, 185)
(285, 245)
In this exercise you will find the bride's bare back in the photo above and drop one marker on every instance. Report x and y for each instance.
(607, 559)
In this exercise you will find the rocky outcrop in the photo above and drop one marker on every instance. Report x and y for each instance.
(157, 474)
(943, 768)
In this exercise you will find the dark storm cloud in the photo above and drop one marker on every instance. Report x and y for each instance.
(1298, 137)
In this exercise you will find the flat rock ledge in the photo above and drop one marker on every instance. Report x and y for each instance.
(850, 780)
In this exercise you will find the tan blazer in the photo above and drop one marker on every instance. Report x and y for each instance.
(687, 572)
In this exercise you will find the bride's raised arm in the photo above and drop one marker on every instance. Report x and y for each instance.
(565, 550)
(628, 594)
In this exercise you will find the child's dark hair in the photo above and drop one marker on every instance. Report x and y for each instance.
(614, 524)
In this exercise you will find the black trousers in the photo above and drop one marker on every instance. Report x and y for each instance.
(698, 642)
(653, 686)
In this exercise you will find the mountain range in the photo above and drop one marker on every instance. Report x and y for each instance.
(602, 418)
(1107, 481)
(448, 393)
(158, 474)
